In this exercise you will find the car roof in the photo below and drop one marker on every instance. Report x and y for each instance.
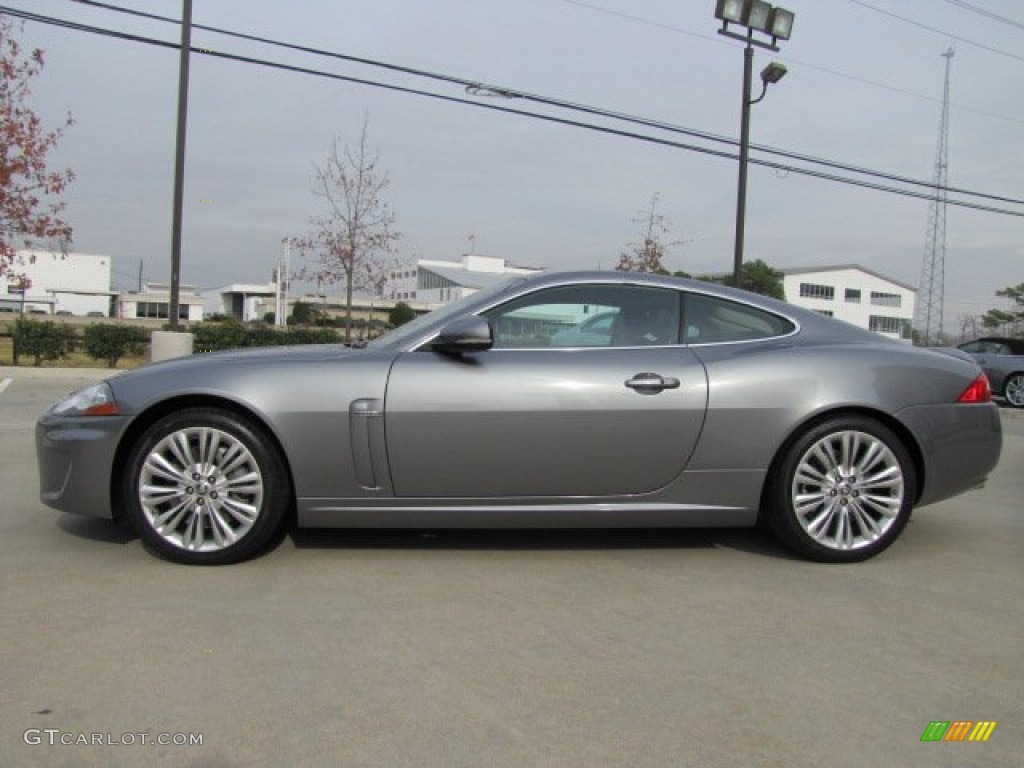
(1016, 345)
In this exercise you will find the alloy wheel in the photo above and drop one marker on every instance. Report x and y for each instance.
(847, 490)
(200, 489)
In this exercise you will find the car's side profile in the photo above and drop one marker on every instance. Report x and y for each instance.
(702, 406)
(1002, 359)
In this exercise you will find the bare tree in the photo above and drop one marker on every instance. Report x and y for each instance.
(29, 191)
(646, 256)
(350, 240)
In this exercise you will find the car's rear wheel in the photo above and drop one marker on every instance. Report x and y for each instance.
(843, 491)
(205, 486)
(1013, 390)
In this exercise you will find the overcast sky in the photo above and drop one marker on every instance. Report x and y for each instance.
(863, 88)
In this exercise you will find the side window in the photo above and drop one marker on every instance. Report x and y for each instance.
(711, 320)
(588, 316)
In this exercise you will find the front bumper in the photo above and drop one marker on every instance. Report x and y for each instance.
(76, 460)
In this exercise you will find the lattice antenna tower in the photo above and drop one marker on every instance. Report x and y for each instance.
(931, 292)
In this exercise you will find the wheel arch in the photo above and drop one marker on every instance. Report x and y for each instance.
(147, 418)
(888, 420)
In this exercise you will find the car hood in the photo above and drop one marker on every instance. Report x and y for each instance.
(262, 357)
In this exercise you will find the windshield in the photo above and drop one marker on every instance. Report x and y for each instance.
(404, 335)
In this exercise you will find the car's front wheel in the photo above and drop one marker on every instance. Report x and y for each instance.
(205, 486)
(843, 491)
(1013, 390)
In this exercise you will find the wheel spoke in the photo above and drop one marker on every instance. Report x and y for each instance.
(223, 533)
(209, 442)
(157, 465)
(234, 457)
(245, 514)
(867, 525)
(160, 494)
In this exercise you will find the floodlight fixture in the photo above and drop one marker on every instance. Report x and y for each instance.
(781, 24)
(731, 10)
(757, 16)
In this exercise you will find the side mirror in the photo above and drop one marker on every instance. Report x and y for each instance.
(467, 334)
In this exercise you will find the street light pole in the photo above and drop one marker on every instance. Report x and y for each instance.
(741, 185)
(776, 23)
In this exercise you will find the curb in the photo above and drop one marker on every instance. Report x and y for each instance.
(50, 374)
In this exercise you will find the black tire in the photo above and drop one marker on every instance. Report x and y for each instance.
(1013, 390)
(842, 491)
(206, 487)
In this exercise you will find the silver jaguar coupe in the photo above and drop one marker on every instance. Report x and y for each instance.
(687, 404)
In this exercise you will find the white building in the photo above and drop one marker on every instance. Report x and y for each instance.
(154, 301)
(72, 283)
(854, 294)
(433, 282)
(242, 301)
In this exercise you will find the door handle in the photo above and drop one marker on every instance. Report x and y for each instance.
(651, 383)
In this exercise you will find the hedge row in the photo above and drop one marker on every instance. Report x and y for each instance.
(45, 340)
(215, 337)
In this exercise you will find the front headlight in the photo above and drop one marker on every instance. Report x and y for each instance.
(96, 400)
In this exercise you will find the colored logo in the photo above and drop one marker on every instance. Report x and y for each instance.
(958, 730)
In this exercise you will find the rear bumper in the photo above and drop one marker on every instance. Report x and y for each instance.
(959, 443)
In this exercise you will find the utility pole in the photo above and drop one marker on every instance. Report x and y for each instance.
(932, 289)
(179, 163)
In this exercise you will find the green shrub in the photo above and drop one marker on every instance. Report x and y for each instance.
(214, 337)
(44, 340)
(401, 313)
(234, 335)
(112, 342)
(312, 336)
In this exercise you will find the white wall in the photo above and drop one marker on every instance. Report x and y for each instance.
(77, 282)
(897, 306)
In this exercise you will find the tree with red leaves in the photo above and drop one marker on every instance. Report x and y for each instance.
(30, 208)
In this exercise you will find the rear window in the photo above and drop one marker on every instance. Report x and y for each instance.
(711, 320)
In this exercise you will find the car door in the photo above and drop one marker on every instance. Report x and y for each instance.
(525, 419)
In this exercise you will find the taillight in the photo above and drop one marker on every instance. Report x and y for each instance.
(979, 391)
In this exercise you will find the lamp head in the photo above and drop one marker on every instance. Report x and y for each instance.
(773, 73)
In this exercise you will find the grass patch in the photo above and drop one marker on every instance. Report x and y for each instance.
(74, 360)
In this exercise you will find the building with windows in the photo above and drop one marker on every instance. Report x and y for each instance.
(51, 283)
(242, 301)
(433, 282)
(154, 301)
(854, 294)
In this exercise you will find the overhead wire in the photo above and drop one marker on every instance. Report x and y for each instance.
(986, 13)
(936, 193)
(791, 60)
(944, 33)
(481, 89)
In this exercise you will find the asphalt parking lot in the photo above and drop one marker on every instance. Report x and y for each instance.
(677, 648)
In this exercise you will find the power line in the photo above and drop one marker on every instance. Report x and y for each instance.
(986, 13)
(480, 89)
(535, 115)
(950, 35)
(805, 64)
